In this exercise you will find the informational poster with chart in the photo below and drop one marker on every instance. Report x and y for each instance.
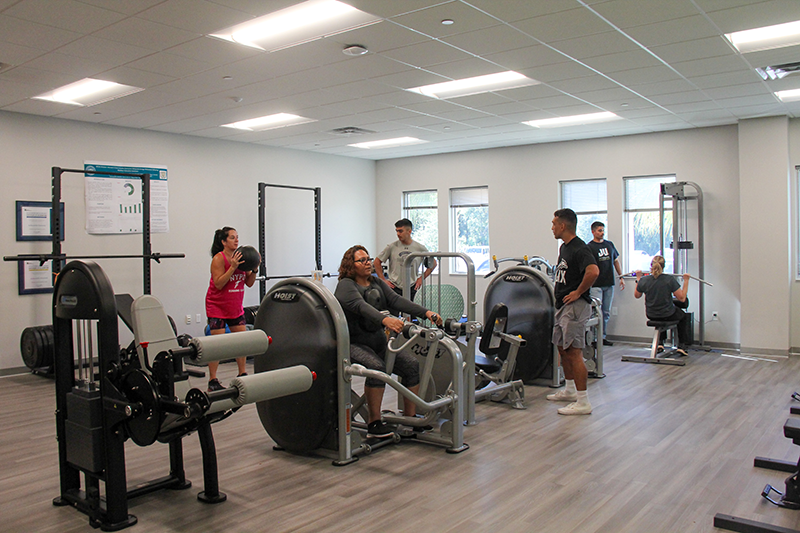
(114, 203)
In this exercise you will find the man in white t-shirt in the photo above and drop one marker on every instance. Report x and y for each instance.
(394, 253)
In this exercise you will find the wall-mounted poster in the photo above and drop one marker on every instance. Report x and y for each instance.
(114, 203)
(35, 278)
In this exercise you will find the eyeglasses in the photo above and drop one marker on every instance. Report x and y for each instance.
(363, 260)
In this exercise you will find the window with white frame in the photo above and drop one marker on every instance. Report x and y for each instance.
(469, 228)
(589, 201)
(422, 209)
(643, 228)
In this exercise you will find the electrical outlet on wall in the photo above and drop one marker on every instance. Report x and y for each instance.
(197, 318)
(714, 315)
(188, 319)
(613, 311)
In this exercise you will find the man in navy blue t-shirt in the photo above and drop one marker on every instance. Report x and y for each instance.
(607, 257)
(574, 275)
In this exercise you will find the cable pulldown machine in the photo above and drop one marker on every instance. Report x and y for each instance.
(105, 395)
(677, 195)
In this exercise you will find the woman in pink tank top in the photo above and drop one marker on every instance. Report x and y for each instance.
(226, 293)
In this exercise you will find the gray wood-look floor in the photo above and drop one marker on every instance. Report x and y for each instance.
(665, 449)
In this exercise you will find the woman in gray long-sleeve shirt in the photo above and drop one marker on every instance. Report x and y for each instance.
(363, 298)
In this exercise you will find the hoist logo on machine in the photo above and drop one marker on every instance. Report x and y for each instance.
(515, 278)
(284, 296)
(69, 300)
(422, 351)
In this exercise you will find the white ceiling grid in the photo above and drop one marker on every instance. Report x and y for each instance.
(660, 65)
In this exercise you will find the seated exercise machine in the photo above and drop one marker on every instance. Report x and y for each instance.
(121, 394)
(662, 358)
(308, 327)
(530, 296)
(490, 352)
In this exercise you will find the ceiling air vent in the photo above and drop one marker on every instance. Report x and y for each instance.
(776, 72)
(349, 131)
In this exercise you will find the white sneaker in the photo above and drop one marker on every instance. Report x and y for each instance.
(576, 409)
(563, 396)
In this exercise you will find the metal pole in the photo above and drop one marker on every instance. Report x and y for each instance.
(146, 248)
(55, 216)
(318, 222)
(262, 238)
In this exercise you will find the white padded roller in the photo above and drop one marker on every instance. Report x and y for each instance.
(229, 346)
(272, 384)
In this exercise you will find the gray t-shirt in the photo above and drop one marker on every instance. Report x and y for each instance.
(658, 295)
(394, 253)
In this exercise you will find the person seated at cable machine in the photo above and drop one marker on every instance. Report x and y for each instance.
(365, 300)
(659, 305)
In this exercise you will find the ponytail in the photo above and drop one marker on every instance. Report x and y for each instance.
(219, 236)
(657, 266)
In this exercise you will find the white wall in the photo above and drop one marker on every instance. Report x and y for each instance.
(524, 191)
(211, 184)
(794, 234)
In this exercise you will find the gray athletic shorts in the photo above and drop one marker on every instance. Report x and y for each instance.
(569, 327)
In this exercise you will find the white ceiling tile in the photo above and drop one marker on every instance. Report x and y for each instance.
(789, 54)
(697, 49)
(491, 40)
(622, 61)
(560, 71)
(467, 68)
(169, 65)
(429, 21)
(17, 54)
(526, 58)
(91, 47)
(513, 11)
(596, 45)
(756, 15)
(27, 33)
(128, 8)
(673, 31)
(563, 25)
(651, 89)
(645, 75)
(76, 67)
(426, 54)
(65, 14)
(197, 16)
(145, 34)
(626, 13)
(714, 65)
(749, 89)
(726, 79)
(392, 8)
(587, 83)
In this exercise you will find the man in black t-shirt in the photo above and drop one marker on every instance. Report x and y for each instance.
(607, 257)
(575, 273)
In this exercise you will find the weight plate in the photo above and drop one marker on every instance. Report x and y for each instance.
(144, 427)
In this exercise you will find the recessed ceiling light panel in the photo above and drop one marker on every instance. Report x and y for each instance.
(476, 85)
(574, 120)
(269, 122)
(388, 143)
(297, 24)
(766, 38)
(88, 92)
(792, 95)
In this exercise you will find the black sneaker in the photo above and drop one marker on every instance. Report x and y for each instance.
(379, 430)
(682, 352)
(607, 342)
(214, 385)
(242, 374)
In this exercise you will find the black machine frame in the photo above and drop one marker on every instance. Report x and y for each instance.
(262, 232)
